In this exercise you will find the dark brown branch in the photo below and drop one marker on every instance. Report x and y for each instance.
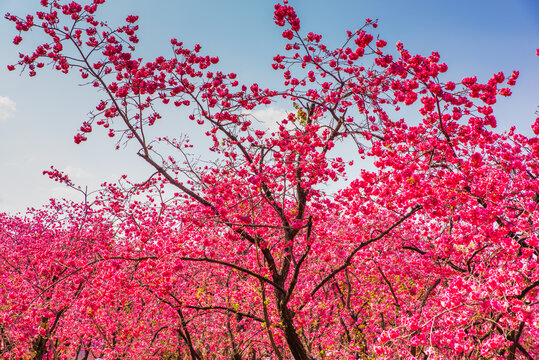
(427, 294)
(413, 248)
(390, 287)
(297, 268)
(267, 324)
(446, 261)
(468, 263)
(527, 290)
(227, 309)
(348, 260)
(524, 352)
(239, 268)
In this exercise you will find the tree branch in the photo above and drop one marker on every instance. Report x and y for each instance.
(348, 260)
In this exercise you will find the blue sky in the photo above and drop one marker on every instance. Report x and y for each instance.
(39, 116)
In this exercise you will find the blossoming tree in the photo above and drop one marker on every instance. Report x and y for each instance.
(432, 255)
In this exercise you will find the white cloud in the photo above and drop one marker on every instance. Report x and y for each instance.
(75, 172)
(7, 108)
(63, 192)
(270, 117)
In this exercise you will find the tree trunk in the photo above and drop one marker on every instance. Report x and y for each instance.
(291, 335)
(40, 347)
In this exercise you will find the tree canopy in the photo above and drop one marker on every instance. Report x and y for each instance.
(268, 250)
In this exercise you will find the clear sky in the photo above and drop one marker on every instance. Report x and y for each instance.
(39, 116)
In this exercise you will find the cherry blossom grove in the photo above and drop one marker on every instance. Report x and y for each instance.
(270, 250)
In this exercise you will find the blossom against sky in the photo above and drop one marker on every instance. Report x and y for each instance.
(39, 116)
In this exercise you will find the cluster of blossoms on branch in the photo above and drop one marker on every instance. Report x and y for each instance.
(432, 254)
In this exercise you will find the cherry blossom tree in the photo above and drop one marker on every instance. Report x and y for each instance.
(432, 254)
